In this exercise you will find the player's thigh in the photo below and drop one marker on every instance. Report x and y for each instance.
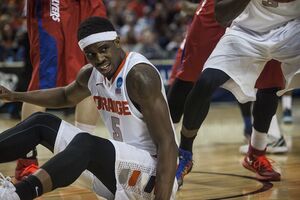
(135, 171)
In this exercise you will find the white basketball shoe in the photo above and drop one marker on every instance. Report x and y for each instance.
(7, 189)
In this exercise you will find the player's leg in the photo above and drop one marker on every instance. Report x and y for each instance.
(247, 118)
(195, 111)
(28, 163)
(177, 95)
(271, 77)
(263, 110)
(56, 172)
(86, 115)
(39, 128)
(195, 54)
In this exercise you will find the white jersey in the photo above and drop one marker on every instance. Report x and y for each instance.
(121, 117)
(265, 15)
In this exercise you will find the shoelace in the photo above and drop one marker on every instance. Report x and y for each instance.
(5, 183)
(263, 162)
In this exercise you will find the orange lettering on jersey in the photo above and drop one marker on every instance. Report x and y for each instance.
(119, 109)
(107, 104)
(98, 102)
(110, 105)
(125, 108)
(104, 103)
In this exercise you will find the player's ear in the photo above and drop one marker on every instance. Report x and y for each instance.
(117, 42)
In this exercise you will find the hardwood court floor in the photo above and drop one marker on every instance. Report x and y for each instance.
(217, 172)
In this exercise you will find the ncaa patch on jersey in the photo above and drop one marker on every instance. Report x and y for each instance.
(119, 83)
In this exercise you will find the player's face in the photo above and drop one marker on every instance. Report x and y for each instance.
(104, 57)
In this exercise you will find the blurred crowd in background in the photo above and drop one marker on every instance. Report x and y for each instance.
(152, 27)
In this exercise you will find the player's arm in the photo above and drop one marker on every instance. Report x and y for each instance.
(227, 10)
(58, 97)
(144, 89)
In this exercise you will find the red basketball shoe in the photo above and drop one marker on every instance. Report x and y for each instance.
(257, 162)
(25, 167)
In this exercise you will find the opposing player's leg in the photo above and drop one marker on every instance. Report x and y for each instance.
(264, 109)
(271, 77)
(247, 118)
(276, 141)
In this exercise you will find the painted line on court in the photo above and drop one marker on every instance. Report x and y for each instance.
(265, 185)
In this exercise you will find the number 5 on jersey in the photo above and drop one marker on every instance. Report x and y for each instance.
(117, 134)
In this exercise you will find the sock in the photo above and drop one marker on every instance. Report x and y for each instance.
(186, 143)
(247, 125)
(259, 140)
(274, 129)
(29, 188)
(286, 102)
(85, 127)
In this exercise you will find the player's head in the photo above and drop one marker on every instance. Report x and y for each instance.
(99, 41)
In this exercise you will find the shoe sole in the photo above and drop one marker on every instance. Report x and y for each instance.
(180, 181)
(277, 150)
(258, 176)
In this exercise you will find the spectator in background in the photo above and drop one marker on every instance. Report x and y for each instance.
(148, 47)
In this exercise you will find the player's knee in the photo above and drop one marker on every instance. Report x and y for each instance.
(83, 140)
(40, 117)
(43, 118)
(207, 82)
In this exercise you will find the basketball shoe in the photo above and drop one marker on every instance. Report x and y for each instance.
(275, 146)
(185, 165)
(257, 162)
(24, 168)
(7, 189)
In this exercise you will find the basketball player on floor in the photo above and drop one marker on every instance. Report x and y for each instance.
(202, 37)
(235, 64)
(130, 97)
(56, 58)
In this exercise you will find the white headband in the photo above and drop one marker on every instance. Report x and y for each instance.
(97, 37)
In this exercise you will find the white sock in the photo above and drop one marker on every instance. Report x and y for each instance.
(286, 102)
(259, 140)
(85, 127)
(274, 129)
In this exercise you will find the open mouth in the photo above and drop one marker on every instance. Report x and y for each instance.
(104, 68)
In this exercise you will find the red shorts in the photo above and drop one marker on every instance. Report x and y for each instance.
(203, 35)
(176, 66)
(271, 76)
(52, 29)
